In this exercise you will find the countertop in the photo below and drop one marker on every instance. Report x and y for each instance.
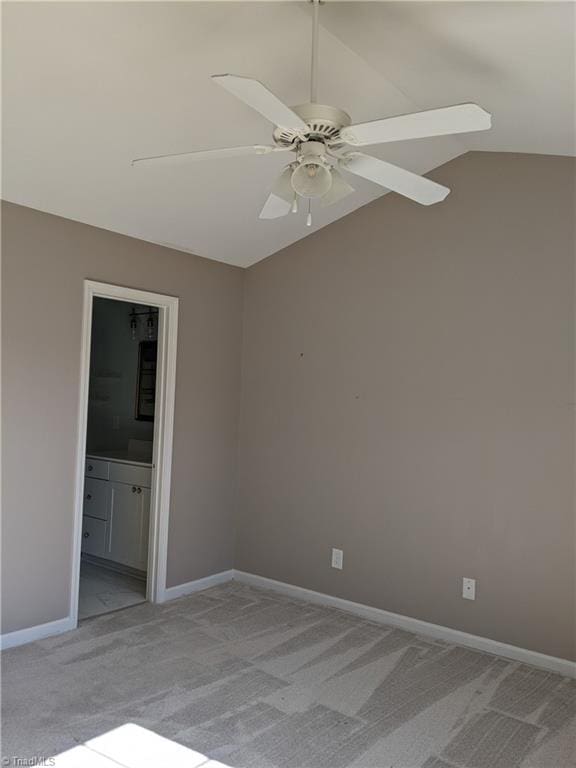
(122, 457)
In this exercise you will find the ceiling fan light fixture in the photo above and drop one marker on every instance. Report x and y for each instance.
(317, 134)
(311, 179)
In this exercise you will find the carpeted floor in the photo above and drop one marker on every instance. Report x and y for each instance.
(258, 680)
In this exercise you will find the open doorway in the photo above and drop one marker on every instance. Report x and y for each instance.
(119, 449)
(124, 449)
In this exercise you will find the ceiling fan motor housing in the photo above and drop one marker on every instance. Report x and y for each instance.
(324, 123)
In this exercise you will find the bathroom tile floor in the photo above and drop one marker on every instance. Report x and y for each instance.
(103, 590)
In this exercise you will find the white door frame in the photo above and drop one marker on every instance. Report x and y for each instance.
(163, 432)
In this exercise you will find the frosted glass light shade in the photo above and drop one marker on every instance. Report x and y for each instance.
(311, 180)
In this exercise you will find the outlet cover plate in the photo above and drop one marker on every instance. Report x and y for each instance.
(337, 558)
(469, 589)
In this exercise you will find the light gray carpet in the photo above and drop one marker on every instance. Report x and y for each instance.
(258, 680)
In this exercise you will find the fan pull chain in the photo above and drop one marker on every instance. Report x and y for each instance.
(295, 204)
(309, 217)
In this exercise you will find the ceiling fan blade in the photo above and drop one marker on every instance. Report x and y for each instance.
(338, 191)
(257, 96)
(211, 154)
(461, 118)
(396, 179)
(281, 197)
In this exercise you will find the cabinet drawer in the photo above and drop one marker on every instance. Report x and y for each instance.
(131, 474)
(97, 468)
(97, 498)
(94, 536)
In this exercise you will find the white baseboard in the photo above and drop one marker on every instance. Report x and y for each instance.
(38, 632)
(550, 663)
(171, 593)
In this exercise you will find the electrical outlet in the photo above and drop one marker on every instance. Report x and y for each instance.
(469, 589)
(337, 558)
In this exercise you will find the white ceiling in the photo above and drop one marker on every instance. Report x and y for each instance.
(89, 86)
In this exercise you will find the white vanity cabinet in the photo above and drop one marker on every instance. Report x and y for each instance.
(116, 511)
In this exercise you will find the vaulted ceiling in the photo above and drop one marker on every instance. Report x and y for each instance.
(89, 86)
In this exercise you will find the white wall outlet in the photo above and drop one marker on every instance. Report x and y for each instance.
(469, 589)
(337, 558)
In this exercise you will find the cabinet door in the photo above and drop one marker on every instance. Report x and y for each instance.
(128, 536)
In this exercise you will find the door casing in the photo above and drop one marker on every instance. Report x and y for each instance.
(163, 433)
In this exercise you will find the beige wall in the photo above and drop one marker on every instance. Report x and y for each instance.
(45, 260)
(408, 396)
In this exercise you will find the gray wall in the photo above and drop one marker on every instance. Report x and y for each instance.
(45, 259)
(408, 396)
(114, 357)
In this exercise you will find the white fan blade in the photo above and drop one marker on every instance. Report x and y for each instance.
(461, 118)
(280, 200)
(211, 154)
(257, 96)
(338, 191)
(406, 183)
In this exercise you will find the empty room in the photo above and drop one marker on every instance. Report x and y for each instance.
(288, 350)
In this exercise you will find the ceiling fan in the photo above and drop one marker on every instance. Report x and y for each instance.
(320, 138)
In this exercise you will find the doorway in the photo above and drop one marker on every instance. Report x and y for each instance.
(124, 449)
